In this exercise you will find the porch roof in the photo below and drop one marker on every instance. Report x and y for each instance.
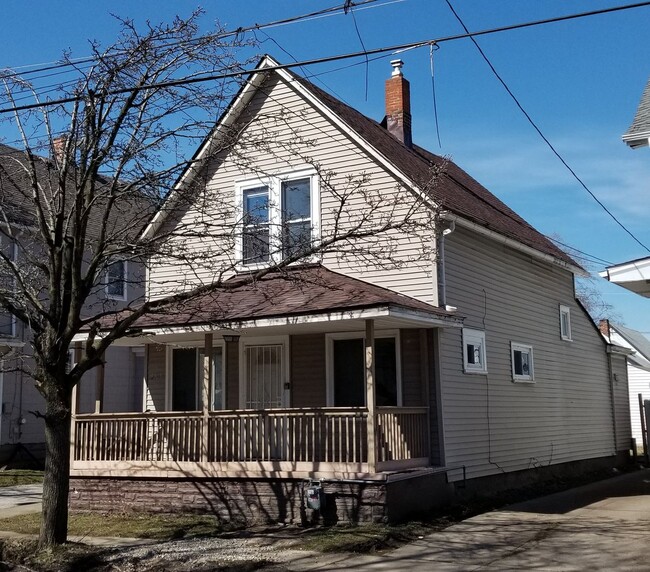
(293, 295)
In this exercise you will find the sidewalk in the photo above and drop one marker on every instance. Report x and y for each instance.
(600, 526)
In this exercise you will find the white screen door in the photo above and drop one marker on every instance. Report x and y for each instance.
(264, 376)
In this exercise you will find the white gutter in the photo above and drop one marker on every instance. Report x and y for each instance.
(514, 244)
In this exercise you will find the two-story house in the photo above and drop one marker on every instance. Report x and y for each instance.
(391, 367)
(22, 432)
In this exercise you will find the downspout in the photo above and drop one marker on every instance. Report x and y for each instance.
(447, 227)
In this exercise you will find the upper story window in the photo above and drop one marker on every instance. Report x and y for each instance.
(279, 217)
(116, 280)
(474, 351)
(565, 323)
(256, 231)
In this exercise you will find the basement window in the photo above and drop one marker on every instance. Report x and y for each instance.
(522, 362)
(474, 351)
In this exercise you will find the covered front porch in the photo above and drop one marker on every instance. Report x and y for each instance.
(324, 390)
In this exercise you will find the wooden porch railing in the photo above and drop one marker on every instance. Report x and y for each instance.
(323, 436)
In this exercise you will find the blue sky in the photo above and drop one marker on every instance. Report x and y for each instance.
(580, 81)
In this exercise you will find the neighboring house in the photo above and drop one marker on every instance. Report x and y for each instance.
(22, 432)
(471, 368)
(635, 274)
(638, 368)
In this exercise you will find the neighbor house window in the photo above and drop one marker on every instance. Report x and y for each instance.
(474, 351)
(279, 217)
(565, 323)
(522, 362)
(8, 283)
(116, 280)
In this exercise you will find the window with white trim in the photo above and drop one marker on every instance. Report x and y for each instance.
(279, 217)
(116, 280)
(474, 351)
(522, 362)
(565, 323)
(8, 283)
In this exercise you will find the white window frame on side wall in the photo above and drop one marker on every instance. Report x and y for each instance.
(565, 332)
(527, 349)
(475, 338)
(274, 184)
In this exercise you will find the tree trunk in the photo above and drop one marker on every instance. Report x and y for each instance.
(54, 518)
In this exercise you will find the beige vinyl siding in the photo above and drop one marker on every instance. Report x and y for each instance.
(639, 382)
(155, 391)
(283, 118)
(492, 424)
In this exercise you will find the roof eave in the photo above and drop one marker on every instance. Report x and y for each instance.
(637, 139)
(516, 245)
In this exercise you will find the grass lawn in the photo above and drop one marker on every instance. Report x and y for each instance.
(10, 478)
(156, 527)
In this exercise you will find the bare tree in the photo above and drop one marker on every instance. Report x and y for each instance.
(115, 141)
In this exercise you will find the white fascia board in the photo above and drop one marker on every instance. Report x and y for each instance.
(362, 314)
(233, 112)
(515, 244)
(632, 271)
(637, 140)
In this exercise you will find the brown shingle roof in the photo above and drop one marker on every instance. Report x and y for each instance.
(456, 191)
(299, 291)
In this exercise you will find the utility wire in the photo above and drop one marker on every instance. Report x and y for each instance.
(539, 131)
(217, 36)
(315, 61)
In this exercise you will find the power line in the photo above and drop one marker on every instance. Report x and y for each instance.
(315, 61)
(219, 35)
(539, 131)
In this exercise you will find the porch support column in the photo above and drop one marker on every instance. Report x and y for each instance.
(74, 405)
(205, 396)
(99, 389)
(369, 346)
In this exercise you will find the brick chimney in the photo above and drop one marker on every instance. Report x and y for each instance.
(398, 105)
(58, 147)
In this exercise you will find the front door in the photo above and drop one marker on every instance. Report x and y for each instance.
(264, 376)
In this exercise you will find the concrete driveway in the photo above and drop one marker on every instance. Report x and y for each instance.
(20, 499)
(602, 526)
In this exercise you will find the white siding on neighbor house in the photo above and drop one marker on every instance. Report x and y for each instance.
(621, 395)
(639, 382)
(123, 383)
(155, 390)
(283, 117)
(492, 424)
